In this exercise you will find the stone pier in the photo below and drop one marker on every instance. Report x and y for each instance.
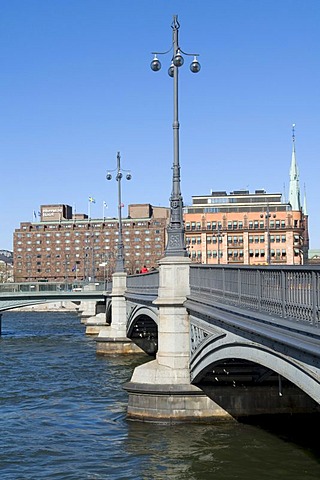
(113, 339)
(160, 390)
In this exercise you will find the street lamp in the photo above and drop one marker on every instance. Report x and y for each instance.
(267, 216)
(119, 175)
(219, 236)
(176, 242)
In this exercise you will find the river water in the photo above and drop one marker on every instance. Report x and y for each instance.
(63, 416)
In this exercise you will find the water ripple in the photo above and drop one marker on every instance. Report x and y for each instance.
(63, 417)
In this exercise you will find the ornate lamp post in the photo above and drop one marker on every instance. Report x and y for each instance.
(176, 242)
(119, 175)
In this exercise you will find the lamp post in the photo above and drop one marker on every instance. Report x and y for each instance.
(119, 175)
(176, 242)
(267, 217)
(219, 236)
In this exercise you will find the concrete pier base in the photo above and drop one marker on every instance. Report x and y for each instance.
(95, 323)
(159, 394)
(109, 345)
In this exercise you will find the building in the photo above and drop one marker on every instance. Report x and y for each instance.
(6, 266)
(249, 228)
(64, 246)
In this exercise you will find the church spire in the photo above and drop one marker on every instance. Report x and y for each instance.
(294, 189)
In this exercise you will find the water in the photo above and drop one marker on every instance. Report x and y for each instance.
(63, 416)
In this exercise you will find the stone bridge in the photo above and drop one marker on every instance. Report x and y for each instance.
(227, 341)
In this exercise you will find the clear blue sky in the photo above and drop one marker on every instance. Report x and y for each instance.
(76, 88)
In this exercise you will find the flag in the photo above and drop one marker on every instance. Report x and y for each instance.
(92, 200)
(121, 205)
(35, 214)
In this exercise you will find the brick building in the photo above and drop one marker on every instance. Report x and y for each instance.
(64, 246)
(245, 228)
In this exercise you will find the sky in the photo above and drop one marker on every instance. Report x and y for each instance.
(76, 88)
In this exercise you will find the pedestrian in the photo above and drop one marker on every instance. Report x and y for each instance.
(144, 269)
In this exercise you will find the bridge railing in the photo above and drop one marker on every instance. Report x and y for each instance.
(144, 283)
(35, 287)
(291, 292)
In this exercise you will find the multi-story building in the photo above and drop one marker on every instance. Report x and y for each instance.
(246, 228)
(249, 228)
(64, 246)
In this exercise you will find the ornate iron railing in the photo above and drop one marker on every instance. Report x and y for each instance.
(291, 292)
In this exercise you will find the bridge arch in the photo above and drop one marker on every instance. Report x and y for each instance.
(207, 358)
(142, 327)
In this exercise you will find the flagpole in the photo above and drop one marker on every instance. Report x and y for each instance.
(104, 206)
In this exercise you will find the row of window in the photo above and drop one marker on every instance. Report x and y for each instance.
(237, 239)
(86, 234)
(239, 225)
(240, 253)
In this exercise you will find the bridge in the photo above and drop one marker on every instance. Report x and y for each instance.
(228, 341)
